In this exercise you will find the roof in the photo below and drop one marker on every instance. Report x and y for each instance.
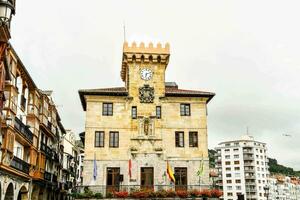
(171, 91)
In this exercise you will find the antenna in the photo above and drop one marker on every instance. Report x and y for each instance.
(247, 130)
(124, 31)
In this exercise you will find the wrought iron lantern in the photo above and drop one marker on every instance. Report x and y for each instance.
(7, 9)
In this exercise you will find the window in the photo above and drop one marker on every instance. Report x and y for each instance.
(113, 139)
(228, 168)
(193, 139)
(179, 139)
(227, 163)
(228, 175)
(236, 156)
(227, 157)
(229, 181)
(238, 181)
(237, 168)
(99, 139)
(158, 112)
(185, 109)
(236, 162)
(133, 112)
(107, 109)
(180, 178)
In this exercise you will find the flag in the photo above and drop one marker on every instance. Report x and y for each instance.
(95, 168)
(201, 168)
(170, 172)
(129, 168)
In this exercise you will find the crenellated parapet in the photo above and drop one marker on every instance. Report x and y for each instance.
(144, 54)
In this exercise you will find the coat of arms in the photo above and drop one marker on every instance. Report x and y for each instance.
(146, 94)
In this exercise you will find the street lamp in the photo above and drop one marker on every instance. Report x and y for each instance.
(7, 9)
(267, 190)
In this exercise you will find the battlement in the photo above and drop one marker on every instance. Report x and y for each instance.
(144, 54)
(142, 49)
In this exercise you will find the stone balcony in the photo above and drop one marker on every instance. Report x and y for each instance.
(20, 165)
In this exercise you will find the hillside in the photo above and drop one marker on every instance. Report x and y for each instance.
(274, 167)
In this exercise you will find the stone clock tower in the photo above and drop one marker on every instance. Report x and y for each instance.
(143, 71)
(133, 131)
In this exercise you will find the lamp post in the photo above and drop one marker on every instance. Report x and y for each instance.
(267, 190)
(7, 9)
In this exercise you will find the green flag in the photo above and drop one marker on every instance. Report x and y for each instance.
(200, 172)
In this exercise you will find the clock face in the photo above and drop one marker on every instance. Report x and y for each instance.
(146, 74)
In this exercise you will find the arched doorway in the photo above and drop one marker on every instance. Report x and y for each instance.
(9, 194)
(23, 193)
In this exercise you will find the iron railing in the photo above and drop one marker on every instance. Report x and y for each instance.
(20, 165)
(23, 129)
(104, 189)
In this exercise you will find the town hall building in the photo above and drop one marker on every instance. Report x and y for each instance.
(133, 132)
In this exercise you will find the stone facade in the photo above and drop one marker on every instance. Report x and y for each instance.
(147, 140)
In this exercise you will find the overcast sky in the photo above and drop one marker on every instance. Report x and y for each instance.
(247, 52)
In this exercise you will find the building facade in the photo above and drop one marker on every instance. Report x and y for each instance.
(131, 132)
(31, 157)
(284, 188)
(71, 164)
(243, 168)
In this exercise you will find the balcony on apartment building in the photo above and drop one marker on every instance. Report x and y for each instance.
(249, 169)
(47, 150)
(250, 176)
(248, 150)
(23, 129)
(248, 157)
(20, 165)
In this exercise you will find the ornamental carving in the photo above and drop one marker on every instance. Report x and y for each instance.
(146, 94)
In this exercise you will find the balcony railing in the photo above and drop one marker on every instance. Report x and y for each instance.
(20, 165)
(23, 129)
(47, 176)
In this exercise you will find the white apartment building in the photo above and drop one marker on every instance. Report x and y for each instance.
(243, 168)
(284, 188)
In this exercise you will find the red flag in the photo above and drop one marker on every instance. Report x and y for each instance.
(129, 167)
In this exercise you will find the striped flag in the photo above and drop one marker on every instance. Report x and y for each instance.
(170, 172)
(129, 168)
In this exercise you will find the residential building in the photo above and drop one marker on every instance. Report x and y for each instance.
(243, 168)
(284, 188)
(79, 171)
(70, 161)
(131, 132)
(31, 129)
